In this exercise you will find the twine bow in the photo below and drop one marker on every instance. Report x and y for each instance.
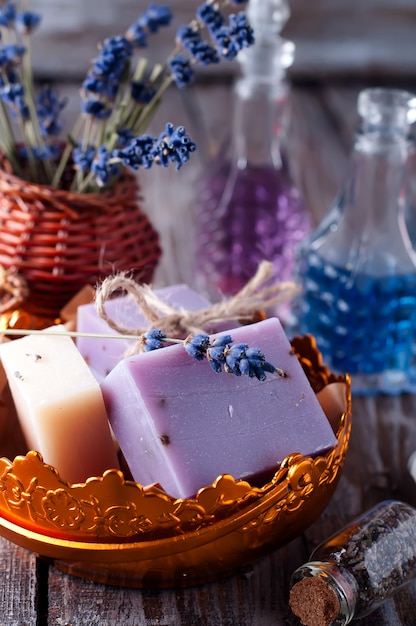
(257, 295)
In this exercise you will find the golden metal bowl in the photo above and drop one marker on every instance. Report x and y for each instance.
(114, 531)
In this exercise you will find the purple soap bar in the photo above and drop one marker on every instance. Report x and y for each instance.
(102, 354)
(181, 424)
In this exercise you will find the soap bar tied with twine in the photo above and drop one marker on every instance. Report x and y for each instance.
(259, 294)
(167, 325)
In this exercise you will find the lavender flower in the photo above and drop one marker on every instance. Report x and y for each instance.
(27, 22)
(188, 37)
(153, 339)
(137, 35)
(181, 70)
(142, 92)
(14, 97)
(241, 359)
(48, 108)
(216, 352)
(232, 38)
(99, 87)
(200, 50)
(96, 108)
(137, 153)
(209, 15)
(125, 136)
(233, 357)
(173, 146)
(205, 53)
(103, 168)
(83, 157)
(155, 17)
(227, 40)
(42, 153)
(149, 22)
(115, 53)
(10, 56)
(197, 346)
(241, 31)
(238, 359)
(254, 364)
(108, 68)
(7, 15)
(227, 43)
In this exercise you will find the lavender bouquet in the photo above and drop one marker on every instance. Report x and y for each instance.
(119, 96)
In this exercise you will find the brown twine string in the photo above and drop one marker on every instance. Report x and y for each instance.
(13, 290)
(257, 295)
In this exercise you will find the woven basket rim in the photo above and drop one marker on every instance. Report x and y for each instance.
(13, 185)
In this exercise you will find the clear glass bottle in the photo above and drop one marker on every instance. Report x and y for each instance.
(410, 213)
(411, 465)
(248, 208)
(357, 569)
(357, 271)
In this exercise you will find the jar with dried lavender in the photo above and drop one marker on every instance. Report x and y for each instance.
(353, 572)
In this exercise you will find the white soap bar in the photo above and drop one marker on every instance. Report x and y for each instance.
(60, 405)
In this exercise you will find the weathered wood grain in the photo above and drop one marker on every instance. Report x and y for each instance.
(257, 596)
(333, 37)
(341, 38)
(19, 589)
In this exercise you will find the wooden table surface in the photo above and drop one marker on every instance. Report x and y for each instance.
(33, 593)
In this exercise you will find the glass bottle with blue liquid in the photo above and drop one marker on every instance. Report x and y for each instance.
(357, 271)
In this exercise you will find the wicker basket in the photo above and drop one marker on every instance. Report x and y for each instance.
(60, 241)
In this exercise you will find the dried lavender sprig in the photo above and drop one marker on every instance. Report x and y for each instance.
(48, 107)
(225, 40)
(239, 359)
(7, 15)
(173, 145)
(26, 22)
(117, 96)
(17, 74)
(117, 53)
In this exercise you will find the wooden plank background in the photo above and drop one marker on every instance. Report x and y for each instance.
(334, 38)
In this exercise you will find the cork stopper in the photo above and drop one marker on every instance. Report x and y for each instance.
(314, 602)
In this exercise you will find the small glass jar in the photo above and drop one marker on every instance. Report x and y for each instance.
(353, 572)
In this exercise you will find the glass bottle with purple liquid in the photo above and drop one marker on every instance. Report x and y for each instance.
(248, 207)
(357, 271)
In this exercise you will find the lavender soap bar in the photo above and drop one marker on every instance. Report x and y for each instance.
(181, 424)
(102, 354)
